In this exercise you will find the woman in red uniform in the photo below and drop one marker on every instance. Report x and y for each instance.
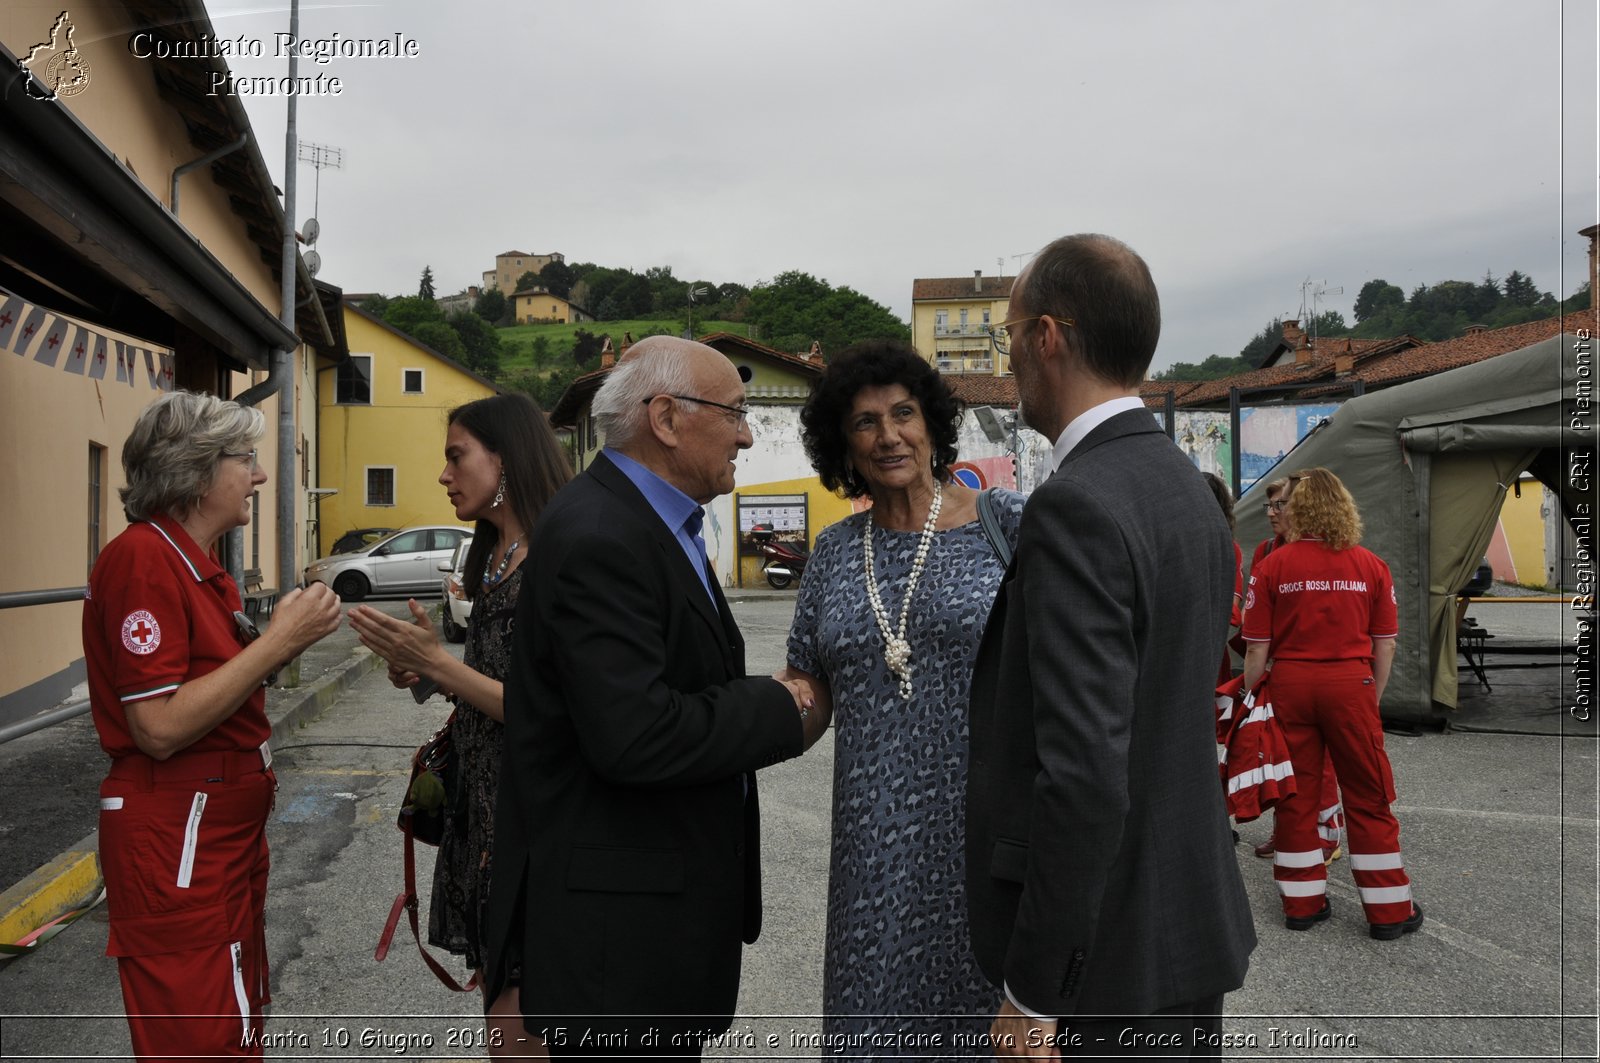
(1323, 609)
(176, 678)
(1330, 813)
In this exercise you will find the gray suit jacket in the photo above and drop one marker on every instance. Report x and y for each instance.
(1101, 878)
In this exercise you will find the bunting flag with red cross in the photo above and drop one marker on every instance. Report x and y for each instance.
(99, 357)
(57, 341)
(78, 354)
(32, 325)
(10, 319)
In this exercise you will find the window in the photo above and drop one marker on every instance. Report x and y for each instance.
(411, 381)
(963, 319)
(986, 317)
(353, 385)
(412, 542)
(941, 318)
(380, 485)
(97, 502)
(447, 538)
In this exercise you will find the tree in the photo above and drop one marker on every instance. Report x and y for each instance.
(529, 279)
(490, 305)
(1520, 289)
(797, 308)
(1377, 297)
(1256, 350)
(479, 341)
(1328, 323)
(425, 289)
(586, 346)
(1215, 367)
(557, 278)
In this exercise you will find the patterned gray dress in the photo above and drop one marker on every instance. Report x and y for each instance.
(461, 869)
(897, 910)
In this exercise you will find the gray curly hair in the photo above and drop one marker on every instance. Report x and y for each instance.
(171, 455)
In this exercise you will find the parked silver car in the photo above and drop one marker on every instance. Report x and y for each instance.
(406, 562)
(457, 606)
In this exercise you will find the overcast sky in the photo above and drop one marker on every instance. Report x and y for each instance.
(1241, 148)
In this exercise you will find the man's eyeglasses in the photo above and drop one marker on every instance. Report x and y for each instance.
(1000, 335)
(741, 414)
(1277, 505)
(248, 631)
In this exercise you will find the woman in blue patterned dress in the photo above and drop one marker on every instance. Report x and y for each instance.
(889, 617)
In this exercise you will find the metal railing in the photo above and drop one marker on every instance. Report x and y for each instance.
(966, 365)
(72, 709)
(961, 330)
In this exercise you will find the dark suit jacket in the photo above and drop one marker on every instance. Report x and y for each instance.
(1100, 874)
(626, 865)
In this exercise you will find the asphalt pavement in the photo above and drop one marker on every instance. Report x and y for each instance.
(1499, 832)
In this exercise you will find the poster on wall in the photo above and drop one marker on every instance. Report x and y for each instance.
(785, 515)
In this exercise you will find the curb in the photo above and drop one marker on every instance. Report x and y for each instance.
(59, 886)
(69, 879)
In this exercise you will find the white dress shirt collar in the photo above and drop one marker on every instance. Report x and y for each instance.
(1087, 421)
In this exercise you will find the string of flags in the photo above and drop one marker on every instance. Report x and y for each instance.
(59, 342)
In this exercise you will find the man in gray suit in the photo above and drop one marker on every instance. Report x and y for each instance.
(1101, 879)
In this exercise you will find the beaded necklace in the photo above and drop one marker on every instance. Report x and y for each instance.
(896, 649)
(499, 573)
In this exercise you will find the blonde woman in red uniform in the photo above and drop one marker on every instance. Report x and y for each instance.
(1323, 609)
(1330, 813)
(176, 678)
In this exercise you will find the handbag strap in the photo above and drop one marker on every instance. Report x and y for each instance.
(407, 900)
(991, 527)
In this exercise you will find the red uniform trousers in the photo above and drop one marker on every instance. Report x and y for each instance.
(1332, 706)
(183, 848)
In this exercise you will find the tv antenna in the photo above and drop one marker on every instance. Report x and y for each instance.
(319, 156)
(1314, 291)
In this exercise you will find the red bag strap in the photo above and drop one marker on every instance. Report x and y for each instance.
(407, 901)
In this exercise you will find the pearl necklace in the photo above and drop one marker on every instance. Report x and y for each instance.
(896, 649)
(499, 573)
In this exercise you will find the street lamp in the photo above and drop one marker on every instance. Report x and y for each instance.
(693, 291)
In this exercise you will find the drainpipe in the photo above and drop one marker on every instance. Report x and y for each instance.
(280, 380)
(204, 160)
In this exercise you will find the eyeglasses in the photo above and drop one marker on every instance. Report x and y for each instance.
(741, 414)
(248, 457)
(1000, 335)
(247, 627)
(1275, 506)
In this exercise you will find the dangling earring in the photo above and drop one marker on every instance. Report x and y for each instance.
(500, 492)
(849, 478)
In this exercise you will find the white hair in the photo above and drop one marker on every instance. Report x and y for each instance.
(656, 365)
(171, 455)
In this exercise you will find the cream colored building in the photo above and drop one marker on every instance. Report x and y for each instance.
(121, 278)
(951, 318)
(509, 266)
(535, 306)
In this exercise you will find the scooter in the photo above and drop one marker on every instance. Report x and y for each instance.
(785, 562)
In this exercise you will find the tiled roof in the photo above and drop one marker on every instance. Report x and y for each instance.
(1154, 392)
(982, 389)
(508, 254)
(728, 343)
(1383, 363)
(1345, 345)
(923, 288)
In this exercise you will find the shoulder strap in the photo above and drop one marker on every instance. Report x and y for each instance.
(991, 527)
(407, 901)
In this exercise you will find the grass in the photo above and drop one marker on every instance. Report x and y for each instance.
(516, 342)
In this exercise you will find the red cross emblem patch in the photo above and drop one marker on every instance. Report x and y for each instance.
(140, 632)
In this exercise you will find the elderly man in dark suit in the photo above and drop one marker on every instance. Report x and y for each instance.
(1101, 877)
(626, 863)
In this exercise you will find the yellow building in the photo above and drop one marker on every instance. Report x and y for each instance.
(535, 306)
(509, 266)
(951, 318)
(381, 419)
(124, 271)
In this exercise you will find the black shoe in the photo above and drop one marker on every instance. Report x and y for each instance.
(1390, 931)
(1295, 922)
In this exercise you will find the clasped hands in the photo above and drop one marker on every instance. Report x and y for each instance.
(411, 649)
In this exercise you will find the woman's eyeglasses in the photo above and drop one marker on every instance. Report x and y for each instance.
(1275, 506)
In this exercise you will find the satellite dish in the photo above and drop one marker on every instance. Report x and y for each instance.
(313, 262)
(311, 230)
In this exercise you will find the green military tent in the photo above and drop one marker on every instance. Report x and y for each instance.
(1428, 463)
